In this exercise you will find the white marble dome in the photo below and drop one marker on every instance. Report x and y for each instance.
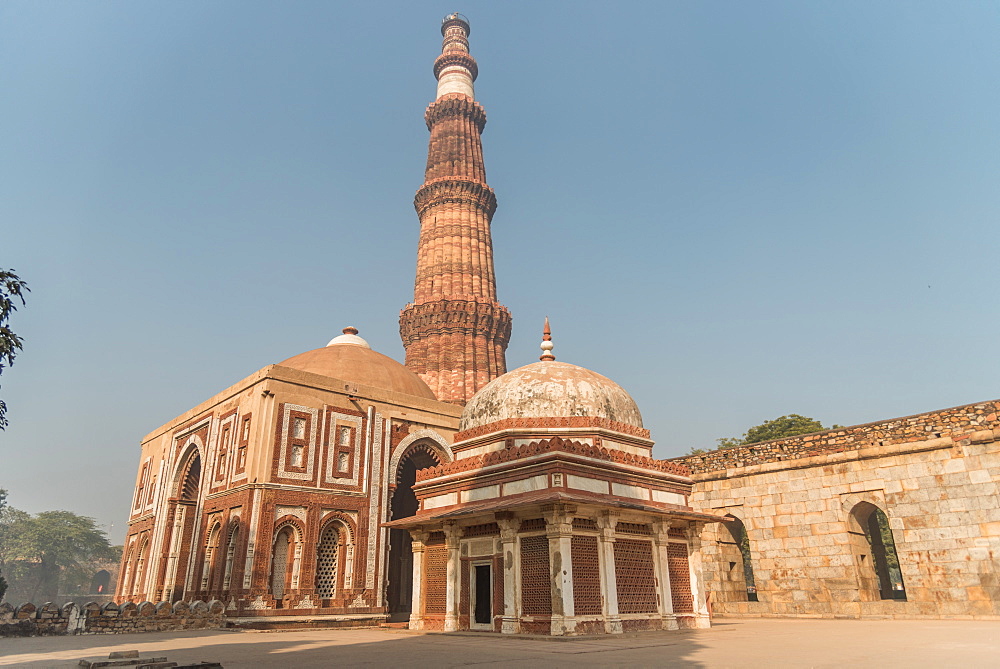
(550, 389)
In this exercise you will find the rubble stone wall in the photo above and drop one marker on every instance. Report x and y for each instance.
(935, 476)
(110, 618)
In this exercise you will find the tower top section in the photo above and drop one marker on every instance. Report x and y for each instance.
(456, 19)
(455, 69)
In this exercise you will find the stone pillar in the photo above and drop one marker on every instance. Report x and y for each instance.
(452, 536)
(511, 573)
(661, 534)
(698, 592)
(609, 580)
(559, 531)
(418, 545)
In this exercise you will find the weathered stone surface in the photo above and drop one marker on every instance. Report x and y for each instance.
(932, 475)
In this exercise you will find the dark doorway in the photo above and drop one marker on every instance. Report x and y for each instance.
(880, 576)
(100, 583)
(890, 579)
(484, 595)
(738, 532)
(404, 504)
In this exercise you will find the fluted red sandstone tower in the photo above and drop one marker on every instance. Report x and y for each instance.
(455, 332)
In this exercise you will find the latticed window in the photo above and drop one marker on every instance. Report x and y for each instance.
(436, 574)
(635, 576)
(586, 576)
(279, 564)
(326, 563)
(680, 578)
(536, 592)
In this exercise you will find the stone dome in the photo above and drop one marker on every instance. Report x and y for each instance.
(349, 357)
(550, 389)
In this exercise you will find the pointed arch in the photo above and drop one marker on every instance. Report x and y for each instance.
(209, 567)
(129, 575)
(424, 440)
(188, 471)
(183, 531)
(735, 544)
(421, 449)
(879, 573)
(139, 579)
(232, 536)
(286, 557)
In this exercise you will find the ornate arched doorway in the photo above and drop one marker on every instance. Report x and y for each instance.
(184, 511)
(419, 455)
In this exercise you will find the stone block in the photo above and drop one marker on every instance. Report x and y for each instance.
(980, 476)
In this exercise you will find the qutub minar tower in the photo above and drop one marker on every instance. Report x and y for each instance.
(455, 332)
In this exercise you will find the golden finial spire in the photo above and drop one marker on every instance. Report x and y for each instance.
(547, 344)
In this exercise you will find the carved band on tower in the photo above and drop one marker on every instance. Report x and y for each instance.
(455, 332)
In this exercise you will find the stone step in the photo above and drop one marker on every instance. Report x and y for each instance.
(304, 622)
(122, 661)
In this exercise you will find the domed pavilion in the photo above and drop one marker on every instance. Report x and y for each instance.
(553, 518)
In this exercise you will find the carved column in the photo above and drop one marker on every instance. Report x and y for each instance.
(418, 545)
(609, 580)
(701, 617)
(452, 536)
(511, 623)
(661, 535)
(559, 531)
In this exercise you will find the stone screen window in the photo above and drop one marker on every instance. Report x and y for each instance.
(343, 452)
(241, 451)
(298, 442)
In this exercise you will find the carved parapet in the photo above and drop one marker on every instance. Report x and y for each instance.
(527, 423)
(467, 317)
(553, 445)
(455, 191)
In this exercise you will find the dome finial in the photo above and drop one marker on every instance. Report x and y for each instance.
(547, 344)
(350, 336)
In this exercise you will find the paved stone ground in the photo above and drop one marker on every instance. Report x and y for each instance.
(769, 643)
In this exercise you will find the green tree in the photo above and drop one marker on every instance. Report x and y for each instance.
(37, 551)
(784, 426)
(12, 288)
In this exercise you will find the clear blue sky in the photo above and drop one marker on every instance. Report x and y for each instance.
(735, 210)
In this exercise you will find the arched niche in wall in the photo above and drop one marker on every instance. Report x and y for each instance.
(736, 562)
(874, 549)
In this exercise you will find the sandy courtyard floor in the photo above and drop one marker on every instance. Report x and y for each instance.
(769, 643)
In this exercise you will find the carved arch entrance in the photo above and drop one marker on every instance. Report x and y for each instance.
(418, 451)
